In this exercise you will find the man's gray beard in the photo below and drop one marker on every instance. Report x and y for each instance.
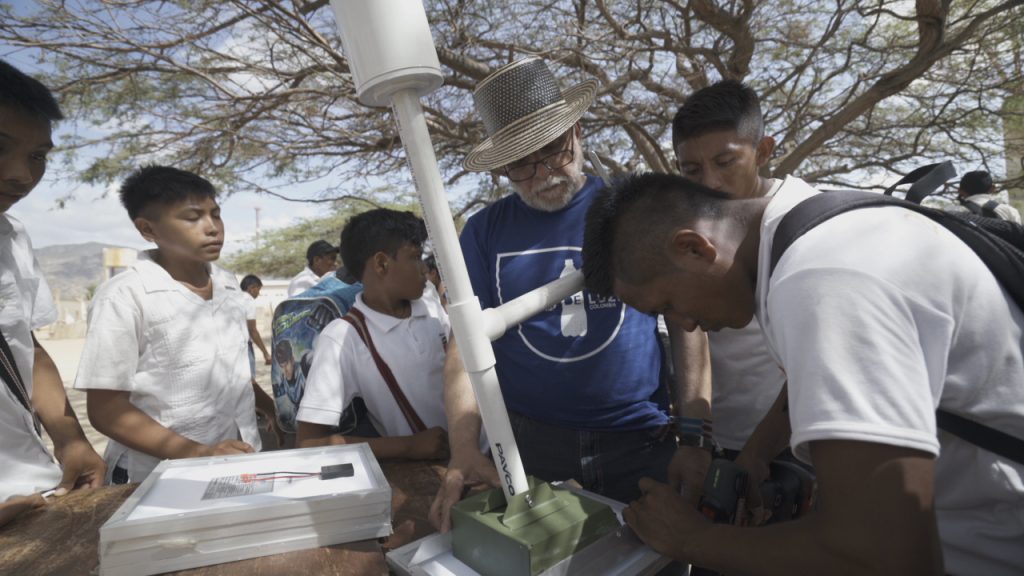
(537, 202)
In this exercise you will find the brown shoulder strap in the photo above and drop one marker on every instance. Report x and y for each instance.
(358, 321)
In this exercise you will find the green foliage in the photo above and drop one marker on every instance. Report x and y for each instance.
(281, 253)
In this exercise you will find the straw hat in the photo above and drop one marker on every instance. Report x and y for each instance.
(523, 110)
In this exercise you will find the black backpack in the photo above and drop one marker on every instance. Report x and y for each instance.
(999, 244)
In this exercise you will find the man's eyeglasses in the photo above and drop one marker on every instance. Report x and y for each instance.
(526, 170)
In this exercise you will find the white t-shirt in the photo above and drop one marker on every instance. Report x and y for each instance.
(303, 281)
(880, 315)
(414, 349)
(249, 303)
(183, 359)
(1004, 211)
(745, 378)
(25, 305)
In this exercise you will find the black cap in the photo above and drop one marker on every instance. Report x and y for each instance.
(319, 248)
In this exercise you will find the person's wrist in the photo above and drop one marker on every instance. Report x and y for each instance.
(695, 547)
(198, 450)
(70, 443)
(695, 432)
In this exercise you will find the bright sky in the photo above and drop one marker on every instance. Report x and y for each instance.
(94, 217)
(94, 214)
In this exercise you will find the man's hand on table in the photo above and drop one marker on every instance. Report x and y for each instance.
(83, 467)
(463, 472)
(664, 520)
(17, 505)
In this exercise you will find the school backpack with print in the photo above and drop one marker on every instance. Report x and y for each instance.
(999, 244)
(297, 322)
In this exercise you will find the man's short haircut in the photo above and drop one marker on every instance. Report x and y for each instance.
(628, 224)
(161, 185)
(21, 91)
(977, 182)
(249, 281)
(725, 105)
(379, 230)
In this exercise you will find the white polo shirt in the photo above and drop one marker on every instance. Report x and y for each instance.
(183, 359)
(414, 349)
(303, 281)
(25, 305)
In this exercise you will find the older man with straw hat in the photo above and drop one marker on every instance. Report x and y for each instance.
(583, 380)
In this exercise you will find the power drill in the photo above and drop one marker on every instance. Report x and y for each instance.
(788, 492)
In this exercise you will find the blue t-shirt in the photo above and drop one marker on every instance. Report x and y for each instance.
(587, 363)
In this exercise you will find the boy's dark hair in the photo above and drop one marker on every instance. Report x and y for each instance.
(20, 90)
(163, 185)
(976, 182)
(725, 105)
(283, 351)
(249, 281)
(379, 230)
(626, 226)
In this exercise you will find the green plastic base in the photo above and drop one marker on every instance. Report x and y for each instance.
(538, 529)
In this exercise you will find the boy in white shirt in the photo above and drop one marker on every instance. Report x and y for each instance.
(165, 361)
(383, 248)
(32, 393)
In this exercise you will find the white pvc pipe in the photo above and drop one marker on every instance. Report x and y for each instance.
(498, 320)
(464, 307)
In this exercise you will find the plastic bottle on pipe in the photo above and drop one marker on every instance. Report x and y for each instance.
(574, 312)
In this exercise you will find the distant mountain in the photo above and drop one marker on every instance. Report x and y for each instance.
(72, 269)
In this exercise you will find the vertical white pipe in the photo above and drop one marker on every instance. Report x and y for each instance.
(463, 307)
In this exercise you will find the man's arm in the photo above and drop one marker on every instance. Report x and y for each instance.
(692, 399)
(876, 516)
(18, 505)
(82, 466)
(767, 441)
(266, 405)
(467, 465)
(112, 413)
(430, 444)
(254, 335)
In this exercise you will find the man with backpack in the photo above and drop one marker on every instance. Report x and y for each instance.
(878, 316)
(977, 193)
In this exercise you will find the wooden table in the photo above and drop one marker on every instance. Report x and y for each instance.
(63, 538)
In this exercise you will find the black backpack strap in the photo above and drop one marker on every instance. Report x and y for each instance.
(971, 206)
(1000, 443)
(988, 209)
(1002, 257)
(924, 180)
(819, 208)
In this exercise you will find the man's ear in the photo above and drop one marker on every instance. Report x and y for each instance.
(764, 150)
(145, 228)
(687, 249)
